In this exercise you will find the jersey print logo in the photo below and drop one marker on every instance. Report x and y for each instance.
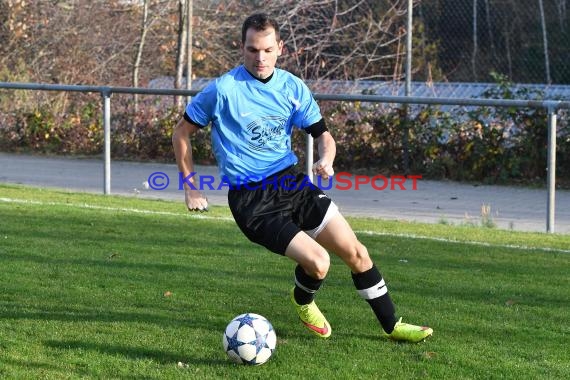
(268, 133)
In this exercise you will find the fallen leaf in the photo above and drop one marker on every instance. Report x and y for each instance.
(168, 293)
(430, 354)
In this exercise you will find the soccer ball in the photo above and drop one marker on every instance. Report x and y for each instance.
(249, 339)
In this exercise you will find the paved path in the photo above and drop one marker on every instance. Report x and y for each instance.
(433, 201)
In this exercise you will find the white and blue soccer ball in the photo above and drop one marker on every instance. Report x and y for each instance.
(249, 339)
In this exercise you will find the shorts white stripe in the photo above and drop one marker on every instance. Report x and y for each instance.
(373, 292)
(331, 212)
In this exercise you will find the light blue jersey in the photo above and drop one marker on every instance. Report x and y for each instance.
(252, 122)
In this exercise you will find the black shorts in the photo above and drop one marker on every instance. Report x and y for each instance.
(273, 211)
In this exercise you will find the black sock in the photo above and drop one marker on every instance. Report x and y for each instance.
(305, 286)
(370, 285)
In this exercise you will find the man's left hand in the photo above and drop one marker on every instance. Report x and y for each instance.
(323, 168)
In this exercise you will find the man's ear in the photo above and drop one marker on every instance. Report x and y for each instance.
(280, 45)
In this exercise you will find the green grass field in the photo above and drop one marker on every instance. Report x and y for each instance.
(97, 286)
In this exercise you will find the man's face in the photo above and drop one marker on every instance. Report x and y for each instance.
(260, 52)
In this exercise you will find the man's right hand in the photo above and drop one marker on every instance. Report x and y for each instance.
(195, 200)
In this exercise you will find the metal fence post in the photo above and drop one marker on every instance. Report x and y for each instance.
(309, 157)
(551, 170)
(408, 89)
(106, 94)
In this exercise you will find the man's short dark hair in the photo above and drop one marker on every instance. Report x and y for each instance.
(259, 22)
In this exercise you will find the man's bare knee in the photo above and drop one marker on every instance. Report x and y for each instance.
(313, 257)
(357, 258)
(318, 266)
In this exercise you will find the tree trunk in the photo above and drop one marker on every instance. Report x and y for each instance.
(189, 17)
(490, 31)
(562, 10)
(144, 30)
(179, 100)
(475, 47)
(545, 42)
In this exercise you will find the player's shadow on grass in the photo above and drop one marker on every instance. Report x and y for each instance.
(133, 353)
(32, 365)
(90, 314)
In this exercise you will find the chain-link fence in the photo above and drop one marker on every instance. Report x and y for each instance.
(526, 40)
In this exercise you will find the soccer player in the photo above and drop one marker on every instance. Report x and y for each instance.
(252, 110)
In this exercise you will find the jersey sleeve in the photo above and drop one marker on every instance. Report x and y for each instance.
(189, 119)
(307, 111)
(203, 105)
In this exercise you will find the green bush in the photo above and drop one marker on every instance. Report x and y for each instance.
(148, 136)
(42, 131)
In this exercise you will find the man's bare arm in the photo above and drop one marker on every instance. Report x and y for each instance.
(195, 199)
(326, 148)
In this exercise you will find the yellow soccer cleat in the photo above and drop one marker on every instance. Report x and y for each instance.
(409, 333)
(312, 318)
